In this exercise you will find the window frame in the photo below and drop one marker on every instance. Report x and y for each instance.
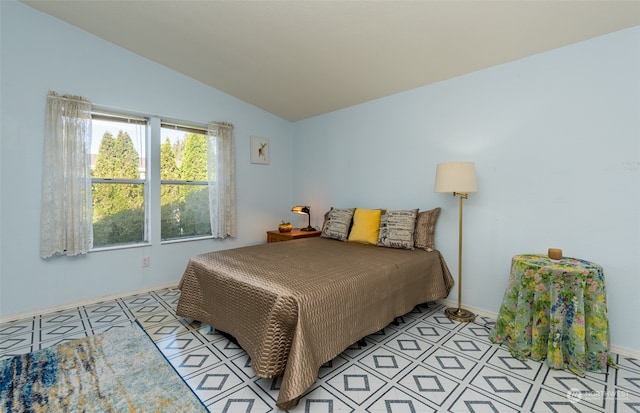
(145, 122)
(186, 127)
(153, 126)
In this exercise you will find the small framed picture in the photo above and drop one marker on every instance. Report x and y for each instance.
(259, 150)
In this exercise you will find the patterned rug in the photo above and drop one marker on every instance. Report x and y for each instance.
(117, 371)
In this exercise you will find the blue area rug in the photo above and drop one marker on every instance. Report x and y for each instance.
(117, 371)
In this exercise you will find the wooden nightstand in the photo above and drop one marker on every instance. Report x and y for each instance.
(277, 236)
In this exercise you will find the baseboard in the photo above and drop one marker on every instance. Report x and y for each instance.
(621, 351)
(17, 316)
(625, 352)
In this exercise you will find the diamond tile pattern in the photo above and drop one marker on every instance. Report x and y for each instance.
(421, 362)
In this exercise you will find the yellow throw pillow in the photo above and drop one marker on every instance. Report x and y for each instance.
(366, 224)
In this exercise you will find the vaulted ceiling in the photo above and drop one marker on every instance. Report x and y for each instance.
(299, 59)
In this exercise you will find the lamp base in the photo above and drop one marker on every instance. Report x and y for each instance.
(309, 228)
(459, 314)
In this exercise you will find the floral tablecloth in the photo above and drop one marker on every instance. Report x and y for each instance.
(557, 311)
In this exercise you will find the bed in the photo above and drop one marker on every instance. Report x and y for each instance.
(292, 306)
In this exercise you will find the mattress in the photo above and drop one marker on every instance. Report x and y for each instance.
(292, 306)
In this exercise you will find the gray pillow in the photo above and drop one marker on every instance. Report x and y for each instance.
(397, 229)
(338, 223)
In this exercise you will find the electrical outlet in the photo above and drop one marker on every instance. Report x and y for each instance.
(145, 261)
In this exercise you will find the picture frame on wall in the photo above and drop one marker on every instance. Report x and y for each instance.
(259, 150)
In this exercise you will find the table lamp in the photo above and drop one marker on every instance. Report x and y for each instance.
(458, 178)
(304, 210)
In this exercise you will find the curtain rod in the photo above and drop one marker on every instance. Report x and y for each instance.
(71, 98)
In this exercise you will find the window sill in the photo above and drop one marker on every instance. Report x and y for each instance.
(178, 240)
(120, 247)
(148, 244)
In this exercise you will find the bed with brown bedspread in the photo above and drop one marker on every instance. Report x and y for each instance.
(295, 305)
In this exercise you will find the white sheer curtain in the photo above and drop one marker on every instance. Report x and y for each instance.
(222, 179)
(66, 226)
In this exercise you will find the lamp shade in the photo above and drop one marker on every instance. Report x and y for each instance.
(456, 177)
(300, 209)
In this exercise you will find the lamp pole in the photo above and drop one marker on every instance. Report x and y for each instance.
(460, 314)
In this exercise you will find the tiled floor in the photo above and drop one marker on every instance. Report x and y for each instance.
(425, 363)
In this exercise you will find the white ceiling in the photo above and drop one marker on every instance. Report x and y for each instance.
(299, 59)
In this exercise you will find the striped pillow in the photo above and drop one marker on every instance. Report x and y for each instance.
(425, 229)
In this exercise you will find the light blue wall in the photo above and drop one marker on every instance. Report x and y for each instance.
(556, 141)
(41, 53)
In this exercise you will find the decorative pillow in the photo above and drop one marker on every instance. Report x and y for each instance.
(338, 223)
(366, 224)
(425, 229)
(324, 223)
(397, 228)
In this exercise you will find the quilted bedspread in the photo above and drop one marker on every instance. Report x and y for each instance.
(295, 305)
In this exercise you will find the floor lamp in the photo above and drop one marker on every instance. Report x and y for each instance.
(458, 178)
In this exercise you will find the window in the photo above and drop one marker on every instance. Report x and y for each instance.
(184, 193)
(122, 181)
(119, 179)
